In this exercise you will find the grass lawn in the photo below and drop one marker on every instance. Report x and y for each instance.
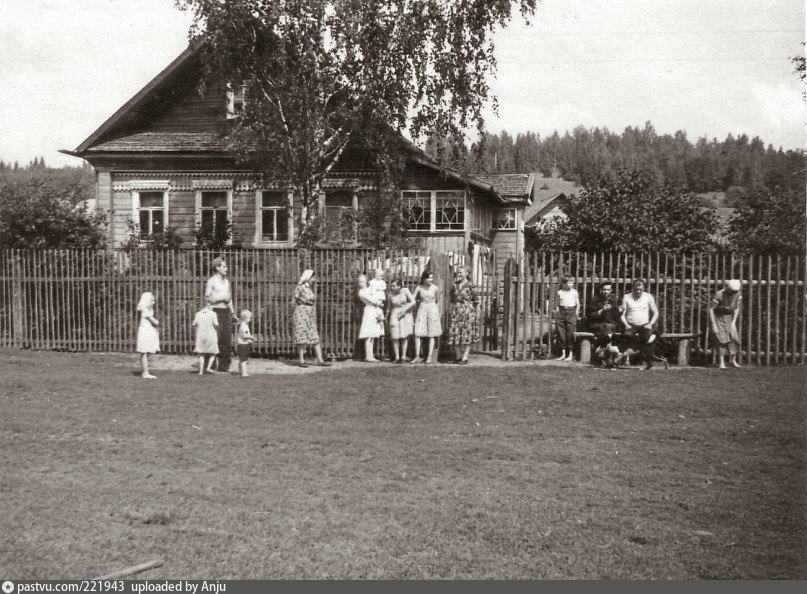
(521, 471)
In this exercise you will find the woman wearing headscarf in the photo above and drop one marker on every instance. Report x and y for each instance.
(464, 329)
(723, 312)
(305, 320)
(219, 296)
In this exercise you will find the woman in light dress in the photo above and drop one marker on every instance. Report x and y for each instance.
(427, 321)
(401, 323)
(305, 320)
(372, 321)
(464, 330)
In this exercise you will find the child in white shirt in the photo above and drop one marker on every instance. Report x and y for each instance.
(243, 341)
(207, 340)
(568, 314)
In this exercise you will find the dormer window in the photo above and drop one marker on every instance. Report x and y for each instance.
(236, 99)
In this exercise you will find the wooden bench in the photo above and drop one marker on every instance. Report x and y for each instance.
(683, 339)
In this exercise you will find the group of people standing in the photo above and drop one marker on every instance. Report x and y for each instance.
(398, 311)
(393, 311)
(407, 315)
(635, 318)
(213, 325)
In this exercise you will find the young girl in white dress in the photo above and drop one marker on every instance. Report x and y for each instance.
(207, 341)
(148, 340)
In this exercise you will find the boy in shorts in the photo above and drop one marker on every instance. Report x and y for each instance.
(243, 341)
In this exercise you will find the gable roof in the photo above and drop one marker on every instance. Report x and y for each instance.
(548, 189)
(139, 99)
(513, 187)
(112, 137)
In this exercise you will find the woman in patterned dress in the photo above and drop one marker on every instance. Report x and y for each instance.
(305, 320)
(723, 313)
(401, 324)
(427, 321)
(464, 330)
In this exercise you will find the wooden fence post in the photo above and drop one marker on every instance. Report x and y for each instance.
(17, 307)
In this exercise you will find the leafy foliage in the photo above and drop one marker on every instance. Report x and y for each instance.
(46, 208)
(770, 222)
(634, 211)
(168, 239)
(215, 237)
(322, 74)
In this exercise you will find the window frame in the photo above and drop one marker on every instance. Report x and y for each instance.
(497, 221)
(137, 208)
(198, 208)
(236, 100)
(260, 209)
(432, 212)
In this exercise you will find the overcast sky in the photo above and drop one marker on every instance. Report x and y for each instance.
(709, 67)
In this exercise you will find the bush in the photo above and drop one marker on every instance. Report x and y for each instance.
(632, 211)
(38, 212)
(769, 222)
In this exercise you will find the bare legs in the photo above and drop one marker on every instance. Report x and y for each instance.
(317, 354)
(462, 351)
(428, 358)
(206, 363)
(144, 366)
(734, 362)
(368, 350)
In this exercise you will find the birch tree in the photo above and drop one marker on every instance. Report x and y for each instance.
(320, 74)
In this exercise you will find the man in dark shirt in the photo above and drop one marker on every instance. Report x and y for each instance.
(603, 311)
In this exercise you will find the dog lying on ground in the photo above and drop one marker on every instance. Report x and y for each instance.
(615, 351)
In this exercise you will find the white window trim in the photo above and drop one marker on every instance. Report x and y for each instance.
(136, 202)
(433, 212)
(515, 226)
(198, 206)
(259, 208)
(235, 91)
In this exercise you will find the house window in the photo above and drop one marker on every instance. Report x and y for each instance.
(273, 217)
(338, 218)
(213, 212)
(505, 219)
(152, 212)
(449, 209)
(236, 99)
(434, 210)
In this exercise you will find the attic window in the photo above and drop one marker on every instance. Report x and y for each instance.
(505, 219)
(236, 95)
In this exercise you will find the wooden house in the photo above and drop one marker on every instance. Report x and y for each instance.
(551, 196)
(162, 161)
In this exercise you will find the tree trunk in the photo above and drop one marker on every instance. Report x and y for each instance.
(309, 218)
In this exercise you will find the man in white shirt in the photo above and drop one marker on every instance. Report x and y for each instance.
(639, 315)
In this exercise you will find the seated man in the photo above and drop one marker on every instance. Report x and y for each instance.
(603, 311)
(639, 315)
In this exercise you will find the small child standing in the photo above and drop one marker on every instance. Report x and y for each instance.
(148, 340)
(243, 341)
(207, 341)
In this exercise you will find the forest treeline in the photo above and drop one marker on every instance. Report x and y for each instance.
(585, 154)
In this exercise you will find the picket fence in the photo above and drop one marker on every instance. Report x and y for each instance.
(771, 324)
(85, 300)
